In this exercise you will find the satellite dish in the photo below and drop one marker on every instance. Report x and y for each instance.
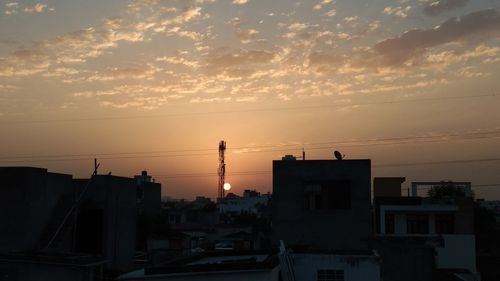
(338, 155)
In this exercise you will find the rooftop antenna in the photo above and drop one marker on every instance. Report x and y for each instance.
(338, 155)
(222, 170)
(96, 166)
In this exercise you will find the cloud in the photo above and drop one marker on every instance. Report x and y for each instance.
(140, 72)
(180, 61)
(185, 16)
(325, 61)
(331, 13)
(438, 7)
(240, 2)
(295, 27)
(195, 36)
(351, 19)
(210, 100)
(441, 60)
(246, 35)
(396, 51)
(37, 8)
(322, 3)
(401, 12)
(237, 63)
(11, 8)
(5, 88)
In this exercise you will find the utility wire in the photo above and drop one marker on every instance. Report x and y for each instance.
(111, 118)
(244, 173)
(257, 149)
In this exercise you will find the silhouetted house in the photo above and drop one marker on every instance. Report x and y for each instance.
(33, 202)
(321, 210)
(323, 204)
(106, 221)
(148, 195)
(422, 238)
(35, 244)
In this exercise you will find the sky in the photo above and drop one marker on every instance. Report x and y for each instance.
(156, 84)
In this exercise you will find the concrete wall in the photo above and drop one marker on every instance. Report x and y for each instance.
(29, 198)
(117, 196)
(409, 259)
(387, 186)
(458, 251)
(328, 229)
(150, 203)
(366, 268)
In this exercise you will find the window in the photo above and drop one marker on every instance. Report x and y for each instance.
(327, 195)
(445, 223)
(389, 223)
(417, 223)
(330, 275)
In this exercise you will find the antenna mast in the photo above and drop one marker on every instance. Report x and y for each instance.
(222, 170)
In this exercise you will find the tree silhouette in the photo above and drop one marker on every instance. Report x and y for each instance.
(446, 189)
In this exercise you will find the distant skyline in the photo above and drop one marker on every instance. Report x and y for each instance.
(156, 84)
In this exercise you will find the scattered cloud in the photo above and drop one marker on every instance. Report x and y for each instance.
(240, 2)
(399, 11)
(244, 35)
(331, 13)
(434, 8)
(36, 8)
(179, 60)
(11, 8)
(247, 35)
(351, 19)
(322, 3)
(137, 73)
(295, 27)
(237, 63)
(400, 50)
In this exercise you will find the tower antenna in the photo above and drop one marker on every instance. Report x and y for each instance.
(222, 170)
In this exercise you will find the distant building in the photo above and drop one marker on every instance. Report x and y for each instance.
(323, 204)
(421, 188)
(421, 238)
(249, 203)
(148, 195)
(201, 214)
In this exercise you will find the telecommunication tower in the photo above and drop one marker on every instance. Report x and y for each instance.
(222, 170)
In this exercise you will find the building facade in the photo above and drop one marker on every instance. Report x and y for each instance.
(323, 204)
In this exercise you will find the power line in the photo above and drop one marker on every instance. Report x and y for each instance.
(387, 165)
(111, 118)
(495, 133)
